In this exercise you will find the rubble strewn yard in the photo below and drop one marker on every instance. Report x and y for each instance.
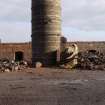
(50, 86)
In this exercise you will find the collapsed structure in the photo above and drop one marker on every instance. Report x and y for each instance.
(46, 30)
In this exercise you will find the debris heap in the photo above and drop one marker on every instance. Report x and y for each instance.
(91, 60)
(11, 66)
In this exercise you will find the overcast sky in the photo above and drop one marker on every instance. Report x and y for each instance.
(81, 20)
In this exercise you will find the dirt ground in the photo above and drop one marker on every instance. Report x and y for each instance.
(52, 87)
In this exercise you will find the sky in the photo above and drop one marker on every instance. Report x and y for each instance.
(82, 20)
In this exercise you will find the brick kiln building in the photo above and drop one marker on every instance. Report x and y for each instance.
(16, 51)
(23, 51)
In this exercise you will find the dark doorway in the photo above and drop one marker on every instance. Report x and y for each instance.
(18, 56)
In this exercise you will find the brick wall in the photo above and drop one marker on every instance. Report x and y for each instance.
(83, 46)
(7, 50)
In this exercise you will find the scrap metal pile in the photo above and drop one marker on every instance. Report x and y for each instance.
(91, 60)
(10, 66)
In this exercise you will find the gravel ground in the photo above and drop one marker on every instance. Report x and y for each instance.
(52, 87)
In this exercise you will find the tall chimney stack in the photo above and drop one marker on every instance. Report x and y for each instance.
(46, 30)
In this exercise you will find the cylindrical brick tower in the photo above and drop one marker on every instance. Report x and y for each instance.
(46, 30)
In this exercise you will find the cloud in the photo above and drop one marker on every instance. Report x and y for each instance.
(15, 10)
(15, 20)
(81, 20)
(15, 31)
(73, 34)
(84, 14)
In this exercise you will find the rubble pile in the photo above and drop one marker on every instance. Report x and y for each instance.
(91, 60)
(10, 66)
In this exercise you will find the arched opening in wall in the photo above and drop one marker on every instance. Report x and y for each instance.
(19, 56)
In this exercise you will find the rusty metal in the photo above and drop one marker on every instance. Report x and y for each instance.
(46, 30)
